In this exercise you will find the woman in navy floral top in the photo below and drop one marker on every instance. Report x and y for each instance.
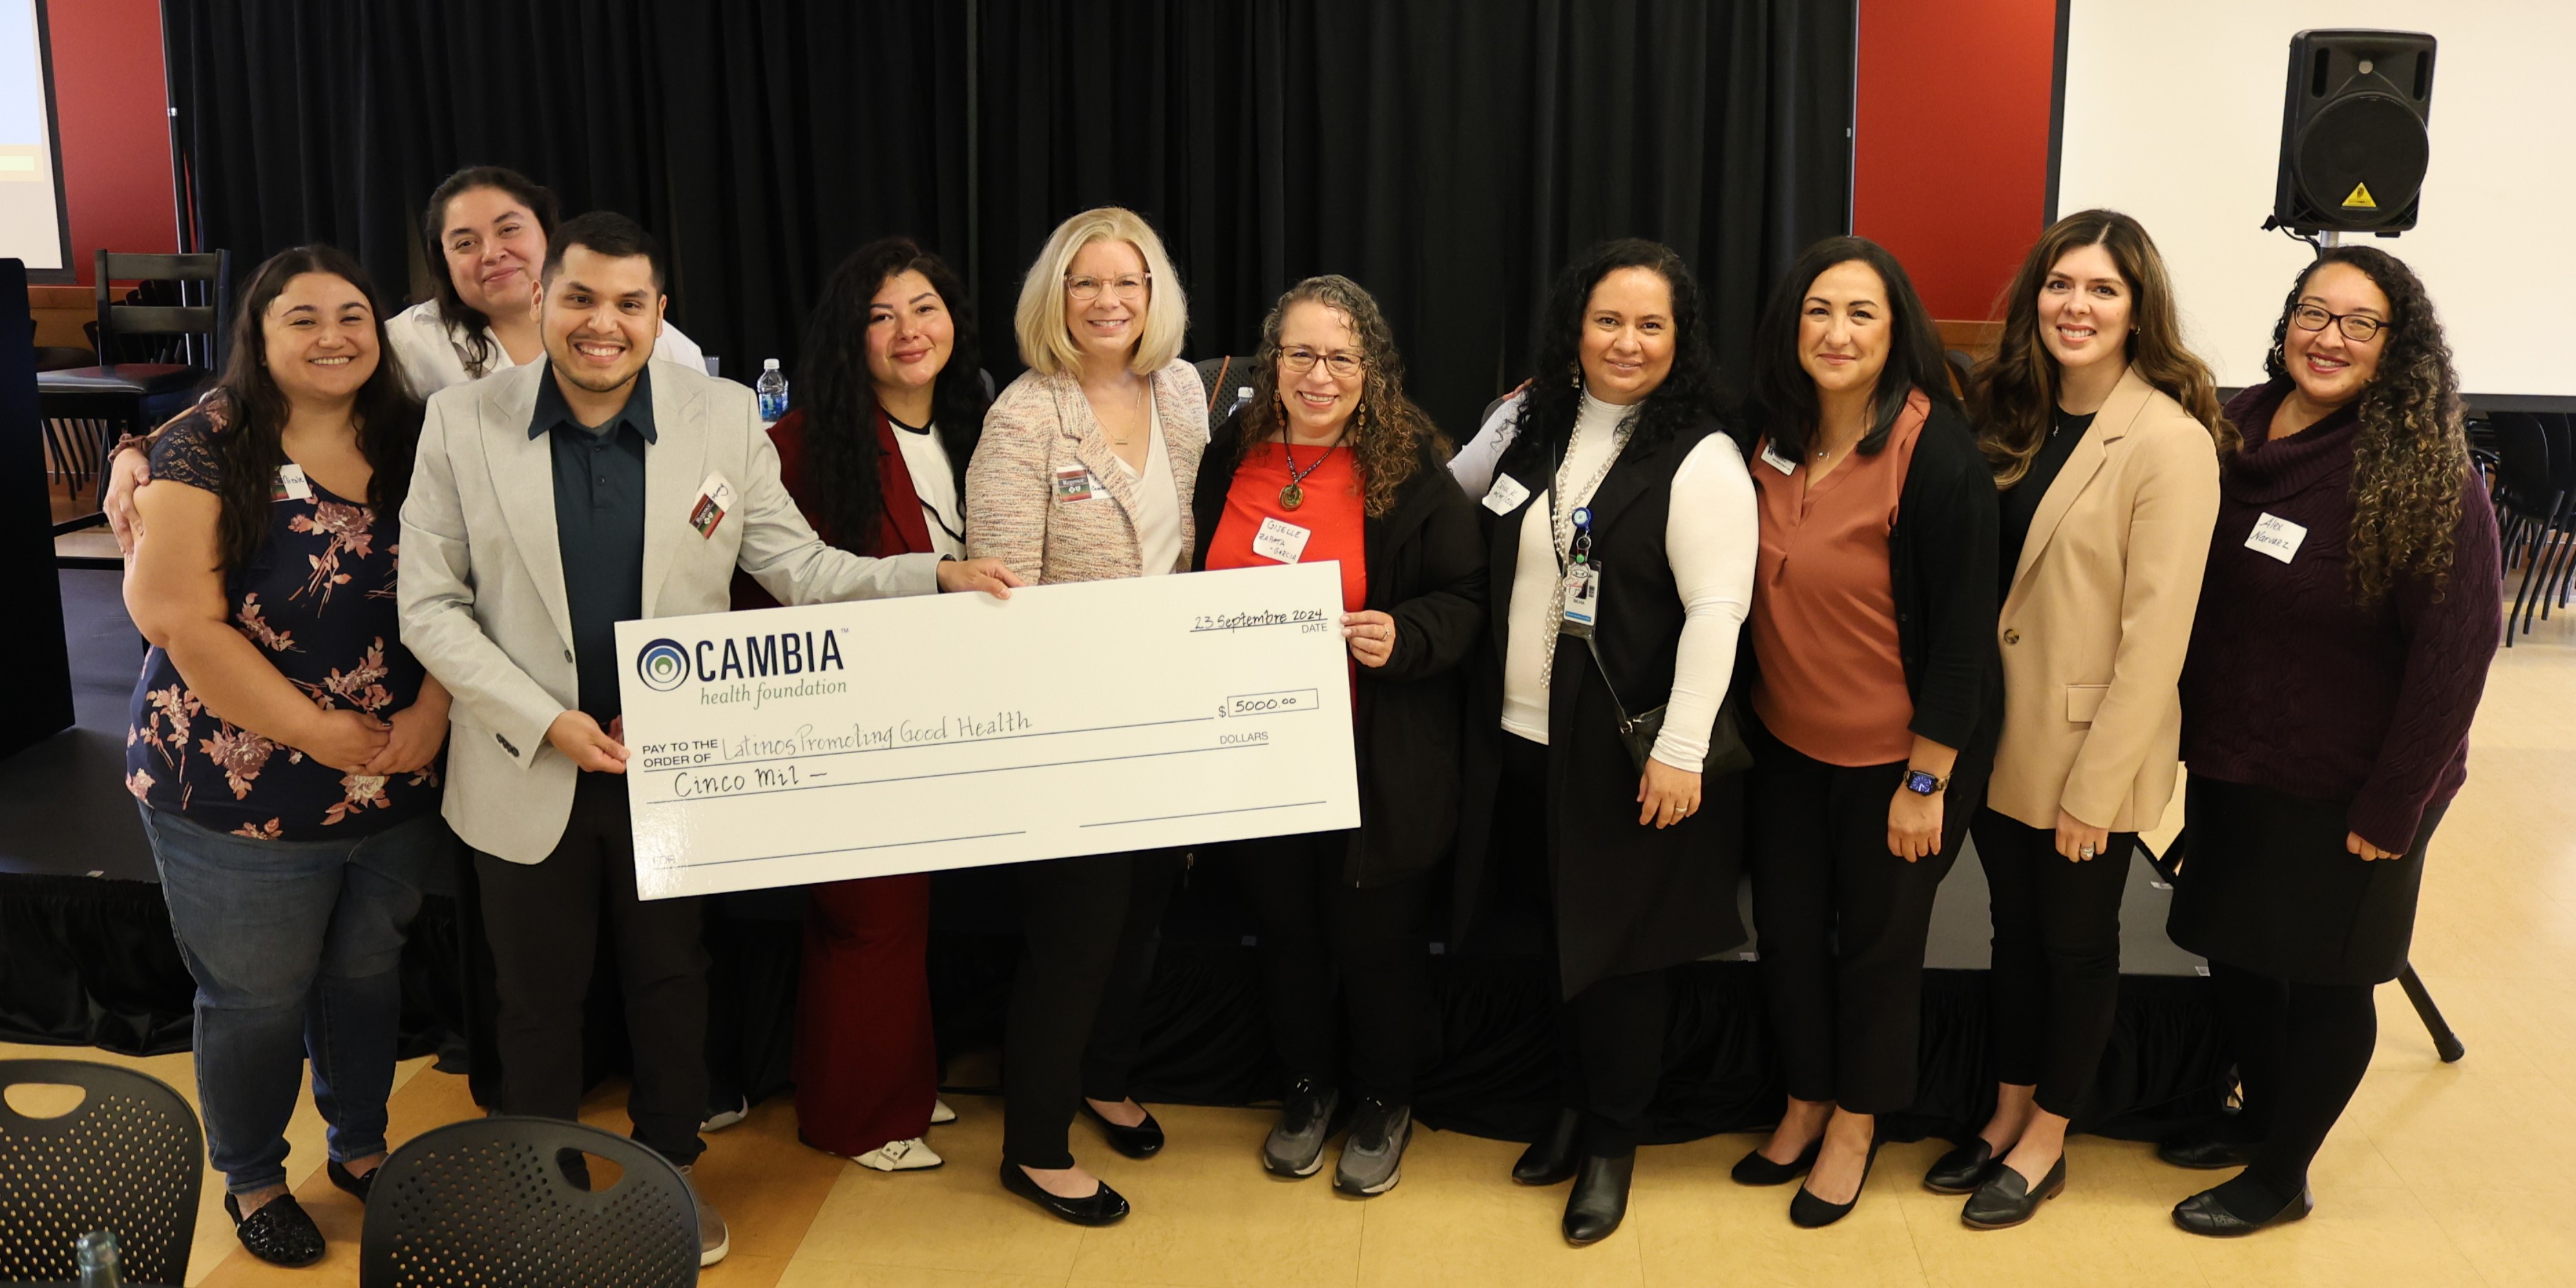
(284, 745)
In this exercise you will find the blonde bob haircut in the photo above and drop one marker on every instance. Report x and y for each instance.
(1045, 343)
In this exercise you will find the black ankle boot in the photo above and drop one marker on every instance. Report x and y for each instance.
(1550, 1158)
(1600, 1198)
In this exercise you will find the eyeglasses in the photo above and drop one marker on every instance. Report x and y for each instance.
(1087, 289)
(2359, 328)
(1342, 366)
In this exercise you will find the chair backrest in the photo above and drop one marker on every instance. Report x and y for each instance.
(2559, 429)
(204, 299)
(130, 1158)
(484, 1202)
(2522, 459)
(1228, 382)
(1963, 370)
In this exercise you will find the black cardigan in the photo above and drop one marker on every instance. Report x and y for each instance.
(1426, 569)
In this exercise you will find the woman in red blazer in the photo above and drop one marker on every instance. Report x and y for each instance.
(875, 456)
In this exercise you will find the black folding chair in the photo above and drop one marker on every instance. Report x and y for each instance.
(128, 1159)
(486, 1202)
(154, 353)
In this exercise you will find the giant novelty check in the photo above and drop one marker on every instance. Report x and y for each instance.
(794, 745)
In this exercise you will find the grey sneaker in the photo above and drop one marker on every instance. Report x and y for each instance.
(714, 1240)
(1296, 1145)
(1373, 1158)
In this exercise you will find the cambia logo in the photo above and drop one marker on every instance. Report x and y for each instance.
(666, 664)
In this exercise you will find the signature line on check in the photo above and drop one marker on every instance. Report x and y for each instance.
(1205, 813)
(850, 849)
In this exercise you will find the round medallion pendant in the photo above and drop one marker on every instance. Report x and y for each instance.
(1291, 496)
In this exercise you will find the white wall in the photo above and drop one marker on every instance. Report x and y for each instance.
(2173, 114)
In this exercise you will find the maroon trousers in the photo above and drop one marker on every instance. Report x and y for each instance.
(867, 1068)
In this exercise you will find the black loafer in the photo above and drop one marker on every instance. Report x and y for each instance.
(279, 1233)
(1754, 1169)
(1550, 1159)
(1807, 1212)
(2206, 1152)
(2203, 1214)
(1961, 1170)
(2005, 1200)
(1600, 1199)
(1104, 1206)
(1144, 1140)
(350, 1181)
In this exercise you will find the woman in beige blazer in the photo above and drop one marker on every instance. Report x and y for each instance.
(1085, 472)
(2102, 431)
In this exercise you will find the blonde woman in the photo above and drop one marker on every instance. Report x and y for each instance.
(1085, 473)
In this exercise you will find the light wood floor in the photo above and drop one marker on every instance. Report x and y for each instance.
(2439, 1174)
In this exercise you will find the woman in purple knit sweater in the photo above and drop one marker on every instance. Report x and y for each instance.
(2345, 626)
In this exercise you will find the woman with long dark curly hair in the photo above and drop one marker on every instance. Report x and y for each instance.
(2102, 431)
(2346, 621)
(1330, 461)
(875, 456)
(1601, 783)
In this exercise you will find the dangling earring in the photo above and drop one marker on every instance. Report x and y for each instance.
(1574, 374)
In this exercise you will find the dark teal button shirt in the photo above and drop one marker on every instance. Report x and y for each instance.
(599, 527)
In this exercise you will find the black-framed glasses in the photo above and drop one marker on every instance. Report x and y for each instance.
(2360, 328)
(1342, 366)
(1126, 286)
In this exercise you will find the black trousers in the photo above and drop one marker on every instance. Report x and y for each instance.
(1840, 925)
(1610, 1036)
(1314, 926)
(544, 920)
(1091, 925)
(2301, 1050)
(2054, 985)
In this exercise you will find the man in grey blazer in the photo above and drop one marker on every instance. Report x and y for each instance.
(549, 502)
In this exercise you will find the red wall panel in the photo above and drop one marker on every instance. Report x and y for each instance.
(112, 116)
(1950, 148)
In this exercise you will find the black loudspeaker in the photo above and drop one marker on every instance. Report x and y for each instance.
(2353, 146)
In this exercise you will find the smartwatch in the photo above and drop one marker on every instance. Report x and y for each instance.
(1923, 783)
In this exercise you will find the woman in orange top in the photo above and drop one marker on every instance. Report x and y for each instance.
(1330, 461)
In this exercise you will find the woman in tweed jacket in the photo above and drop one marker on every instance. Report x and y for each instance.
(1085, 472)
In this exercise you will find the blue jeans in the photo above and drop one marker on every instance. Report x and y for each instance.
(296, 948)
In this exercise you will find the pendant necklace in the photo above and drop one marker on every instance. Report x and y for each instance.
(1292, 496)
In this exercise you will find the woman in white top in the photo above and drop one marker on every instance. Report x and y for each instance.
(1627, 524)
(1085, 473)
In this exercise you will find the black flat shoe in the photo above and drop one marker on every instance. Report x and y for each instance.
(2005, 1200)
(1144, 1140)
(1807, 1212)
(279, 1233)
(1104, 1206)
(1961, 1170)
(1600, 1198)
(1754, 1169)
(2203, 1214)
(350, 1181)
(1550, 1158)
(2206, 1152)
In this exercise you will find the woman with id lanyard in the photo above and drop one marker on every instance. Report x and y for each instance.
(1330, 461)
(1601, 758)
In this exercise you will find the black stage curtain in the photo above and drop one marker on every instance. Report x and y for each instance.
(1448, 154)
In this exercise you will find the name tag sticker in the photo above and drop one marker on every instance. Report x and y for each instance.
(1280, 540)
(2276, 536)
(1771, 456)
(715, 497)
(1074, 483)
(1507, 494)
(291, 484)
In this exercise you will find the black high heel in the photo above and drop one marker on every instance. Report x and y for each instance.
(1807, 1212)
(1550, 1158)
(1600, 1199)
(1756, 1169)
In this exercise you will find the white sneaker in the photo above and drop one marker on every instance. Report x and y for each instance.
(900, 1156)
(940, 1112)
(714, 1240)
(719, 1119)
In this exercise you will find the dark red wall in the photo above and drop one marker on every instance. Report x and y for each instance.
(112, 115)
(1950, 159)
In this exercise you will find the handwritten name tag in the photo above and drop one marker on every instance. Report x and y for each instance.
(1507, 494)
(2276, 536)
(1280, 540)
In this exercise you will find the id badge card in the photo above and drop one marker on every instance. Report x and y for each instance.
(715, 497)
(1582, 600)
(291, 484)
(1073, 483)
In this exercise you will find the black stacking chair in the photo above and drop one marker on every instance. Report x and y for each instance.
(1228, 382)
(2534, 505)
(485, 1202)
(129, 1158)
(153, 355)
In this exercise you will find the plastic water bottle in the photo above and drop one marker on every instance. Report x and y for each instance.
(772, 389)
(95, 1257)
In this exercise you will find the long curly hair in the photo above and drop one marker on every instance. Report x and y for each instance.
(540, 201)
(2410, 460)
(1689, 397)
(839, 396)
(2014, 392)
(1783, 403)
(1390, 429)
(253, 409)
